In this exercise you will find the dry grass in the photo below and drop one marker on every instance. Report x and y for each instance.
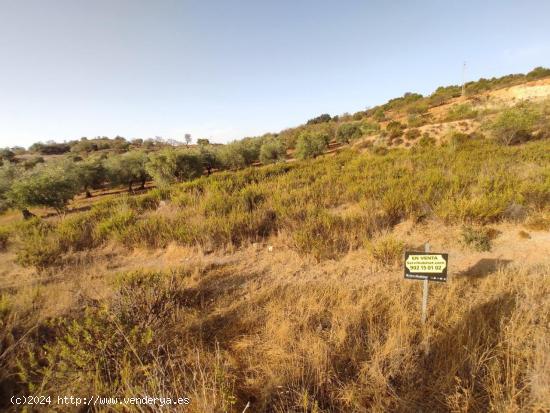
(282, 332)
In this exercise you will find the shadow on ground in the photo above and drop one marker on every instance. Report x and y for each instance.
(484, 267)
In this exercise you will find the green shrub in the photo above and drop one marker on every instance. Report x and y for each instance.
(379, 150)
(387, 250)
(251, 197)
(32, 162)
(514, 125)
(217, 202)
(379, 115)
(40, 251)
(102, 344)
(115, 225)
(426, 141)
(369, 127)
(538, 73)
(183, 199)
(408, 100)
(459, 112)
(38, 245)
(456, 139)
(325, 117)
(151, 232)
(418, 107)
(302, 200)
(149, 201)
(415, 121)
(443, 94)
(77, 232)
(412, 134)
(6, 154)
(326, 236)
(477, 238)
(395, 129)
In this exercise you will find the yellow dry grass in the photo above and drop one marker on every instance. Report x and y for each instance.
(265, 325)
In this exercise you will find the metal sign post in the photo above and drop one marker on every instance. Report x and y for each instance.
(425, 291)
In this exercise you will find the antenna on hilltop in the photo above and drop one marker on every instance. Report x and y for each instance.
(464, 80)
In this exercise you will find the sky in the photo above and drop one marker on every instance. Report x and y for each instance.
(227, 69)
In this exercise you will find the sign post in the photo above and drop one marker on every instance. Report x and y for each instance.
(427, 267)
(425, 291)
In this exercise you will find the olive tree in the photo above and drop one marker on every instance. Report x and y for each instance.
(6, 154)
(209, 157)
(127, 169)
(311, 144)
(7, 176)
(272, 150)
(348, 132)
(169, 166)
(50, 186)
(239, 154)
(90, 174)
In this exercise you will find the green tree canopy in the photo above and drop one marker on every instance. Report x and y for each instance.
(169, 166)
(6, 154)
(127, 169)
(325, 117)
(311, 144)
(272, 150)
(239, 154)
(46, 185)
(348, 132)
(91, 174)
(209, 157)
(8, 173)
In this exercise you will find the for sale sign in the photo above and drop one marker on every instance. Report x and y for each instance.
(431, 266)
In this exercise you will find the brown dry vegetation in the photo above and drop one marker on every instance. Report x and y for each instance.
(280, 286)
(267, 325)
(275, 287)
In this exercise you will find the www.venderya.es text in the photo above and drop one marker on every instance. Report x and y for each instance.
(95, 400)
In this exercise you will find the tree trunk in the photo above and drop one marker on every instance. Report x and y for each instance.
(143, 183)
(208, 170)
(130, 186)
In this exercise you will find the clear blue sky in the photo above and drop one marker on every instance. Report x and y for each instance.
(226, 69)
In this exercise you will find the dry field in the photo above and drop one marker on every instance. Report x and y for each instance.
(265, 325)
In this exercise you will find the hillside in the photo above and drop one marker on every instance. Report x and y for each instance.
(268, 272)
